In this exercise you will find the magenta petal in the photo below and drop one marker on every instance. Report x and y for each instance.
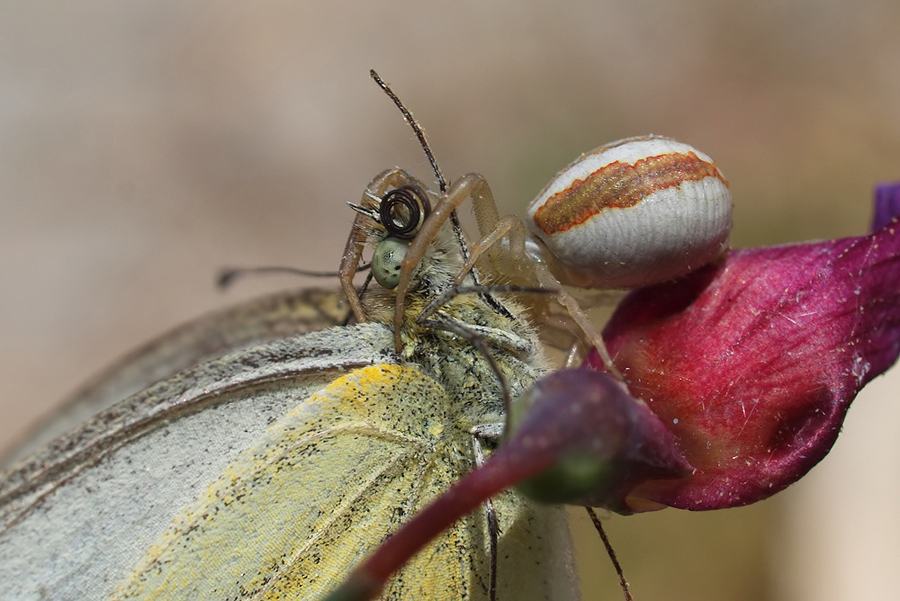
(753, 362)
(887, 204)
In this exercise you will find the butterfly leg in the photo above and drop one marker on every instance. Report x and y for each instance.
(493, 525)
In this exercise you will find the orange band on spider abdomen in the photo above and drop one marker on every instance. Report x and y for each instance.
(620, 185)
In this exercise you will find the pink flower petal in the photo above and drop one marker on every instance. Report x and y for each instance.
(753, 362)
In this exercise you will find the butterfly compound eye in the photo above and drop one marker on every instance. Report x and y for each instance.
(387, 261)
(403, 211)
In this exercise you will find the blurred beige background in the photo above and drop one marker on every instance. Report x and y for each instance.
(145, 145)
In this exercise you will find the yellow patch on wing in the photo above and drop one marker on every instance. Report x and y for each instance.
(325, 485)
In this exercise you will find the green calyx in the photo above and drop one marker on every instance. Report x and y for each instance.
(572, 477)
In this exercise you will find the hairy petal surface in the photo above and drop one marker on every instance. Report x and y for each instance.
(753, 362)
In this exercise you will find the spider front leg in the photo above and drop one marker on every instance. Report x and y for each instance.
(512, 259)
(471, 186)
(506, 259)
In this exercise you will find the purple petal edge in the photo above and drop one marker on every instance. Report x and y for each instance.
(887, 204)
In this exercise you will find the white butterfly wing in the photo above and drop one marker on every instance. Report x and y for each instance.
(253, 322)
(325, 485)
(80, 514)
(242, 478)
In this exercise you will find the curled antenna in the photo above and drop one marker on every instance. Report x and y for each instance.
(420, 133)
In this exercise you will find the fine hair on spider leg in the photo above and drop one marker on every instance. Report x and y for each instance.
(514, 229)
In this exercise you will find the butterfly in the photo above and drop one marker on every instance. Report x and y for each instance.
(263, 452)
(252, 464)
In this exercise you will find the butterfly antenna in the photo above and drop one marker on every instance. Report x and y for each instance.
(420, 133)
(454, 219)
(229, 275)
(626, 590)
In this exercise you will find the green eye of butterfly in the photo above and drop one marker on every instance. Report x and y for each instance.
(387, 260)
